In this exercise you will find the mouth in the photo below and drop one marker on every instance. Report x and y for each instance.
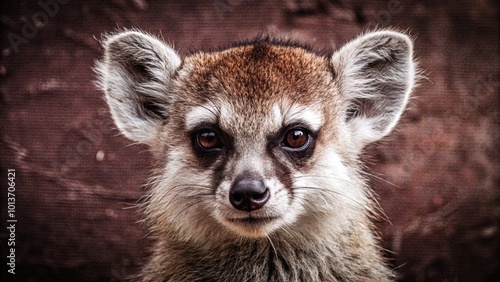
(252, 221)
(252, 226)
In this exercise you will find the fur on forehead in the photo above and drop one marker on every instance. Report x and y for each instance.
(254, 73)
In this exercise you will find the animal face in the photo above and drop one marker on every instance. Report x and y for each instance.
(260, 138)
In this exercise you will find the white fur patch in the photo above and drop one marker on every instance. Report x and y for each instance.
(201, 114)
(308, 116)
(363, 132)
(277, 114)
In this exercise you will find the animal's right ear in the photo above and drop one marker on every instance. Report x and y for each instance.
(136, 76)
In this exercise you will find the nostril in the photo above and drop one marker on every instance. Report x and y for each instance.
(260, 196)
(257, 201)
(248, 194)
(237, 197)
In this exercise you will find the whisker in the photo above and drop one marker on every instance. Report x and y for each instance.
(321, 176)
(363, 173)
(182, 188)
(285, 229)
(187, 207)
(380, 178)
(378, 212)
(272, 245)
(323, 190)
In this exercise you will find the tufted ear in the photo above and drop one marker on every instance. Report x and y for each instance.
(136, 75)
(376, 74)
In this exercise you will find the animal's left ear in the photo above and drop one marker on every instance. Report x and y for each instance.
(375, 74)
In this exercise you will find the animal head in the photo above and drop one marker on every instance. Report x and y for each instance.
(259, 138)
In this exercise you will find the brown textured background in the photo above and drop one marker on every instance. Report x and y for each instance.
(438, 175)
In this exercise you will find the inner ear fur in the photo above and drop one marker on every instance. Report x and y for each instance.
(375, 74)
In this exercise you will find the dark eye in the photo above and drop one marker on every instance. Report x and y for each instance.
(296, 139)
(208, 140)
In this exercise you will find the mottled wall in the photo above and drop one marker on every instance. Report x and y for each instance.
(77, 179)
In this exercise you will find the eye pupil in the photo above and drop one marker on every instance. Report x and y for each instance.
(208, 140)
(296, 138)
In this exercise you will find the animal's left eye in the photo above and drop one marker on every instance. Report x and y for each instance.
(296, 139)
(208, 140)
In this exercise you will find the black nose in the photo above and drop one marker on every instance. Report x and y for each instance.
(248, 194)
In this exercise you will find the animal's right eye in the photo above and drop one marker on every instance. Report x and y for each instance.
(208, 140)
